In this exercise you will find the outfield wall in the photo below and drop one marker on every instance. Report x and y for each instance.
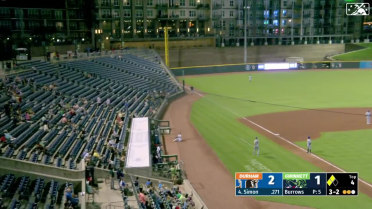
(183, 57)
(250, 67)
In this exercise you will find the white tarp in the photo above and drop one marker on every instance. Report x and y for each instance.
(138, 154)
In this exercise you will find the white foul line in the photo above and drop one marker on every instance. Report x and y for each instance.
(319, 158)
(286, 140)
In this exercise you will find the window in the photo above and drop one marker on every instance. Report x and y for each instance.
(19, 24)
(115, 13)
(33, 12)
(284, 22)
(231, 13)
(192, 3)
(276, 22)
(182, 2)
(58, 14)
(72, 14)
(46, 13)
(73, 25)
(106, 13)
(126, 12)
(266, 22)
(223, 24)
(223, 13)
(276, 13)
(18, 12)
(192, 13)
(105, 2)
(149, 13)
(231, 3)
(231, 24)
(284, 3)
(5, 23)
(126, 2)
(116, 2)
(139, 13)
(4, 12)
(231, 32)
(266, 13)
(284, 12)
(182, 13)
(138, 2)
(149, 3)
(59, 25)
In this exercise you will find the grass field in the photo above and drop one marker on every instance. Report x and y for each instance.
(311, 89)
(365, 54)
(331, 146)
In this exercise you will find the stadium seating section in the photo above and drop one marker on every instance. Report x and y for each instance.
(134, 85)
(24, 192)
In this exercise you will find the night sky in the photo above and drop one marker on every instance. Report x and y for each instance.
(33, 3)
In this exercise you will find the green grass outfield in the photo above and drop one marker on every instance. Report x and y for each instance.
(365, 54)
(215, 117)
(356, 156)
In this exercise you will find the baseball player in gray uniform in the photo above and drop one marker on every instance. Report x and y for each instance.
(368, 117)
(308, 144)
(256, 146)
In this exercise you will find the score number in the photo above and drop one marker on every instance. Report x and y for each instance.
(272, 178)
(317, 179)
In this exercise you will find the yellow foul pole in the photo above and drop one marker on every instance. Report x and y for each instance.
(166, 46)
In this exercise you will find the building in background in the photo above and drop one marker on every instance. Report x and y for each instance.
(44, 23)
(108, 23)
(119, 20)
(284, 21)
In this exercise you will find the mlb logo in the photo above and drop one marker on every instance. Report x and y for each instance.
(357, 9)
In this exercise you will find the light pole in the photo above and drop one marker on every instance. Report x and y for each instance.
(246, 9)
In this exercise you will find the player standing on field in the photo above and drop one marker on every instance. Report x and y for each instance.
(256, 146)
(250, 78)
(308, 144)
(368, 117)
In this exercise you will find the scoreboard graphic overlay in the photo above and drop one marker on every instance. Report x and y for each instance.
(296, 184)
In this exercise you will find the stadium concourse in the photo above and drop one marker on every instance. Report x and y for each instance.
(65, 129)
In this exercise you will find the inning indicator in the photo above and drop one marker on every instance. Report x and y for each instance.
(295, 184)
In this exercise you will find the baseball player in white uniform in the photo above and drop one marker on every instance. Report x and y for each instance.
(178, 138)
(308, 144)
(256, 146)
(368, 117)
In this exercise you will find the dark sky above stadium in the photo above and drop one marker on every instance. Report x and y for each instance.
(33, 3)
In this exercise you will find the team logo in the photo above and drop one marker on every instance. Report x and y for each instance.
(357, 9)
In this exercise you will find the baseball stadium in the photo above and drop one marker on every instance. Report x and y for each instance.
(190, 104)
